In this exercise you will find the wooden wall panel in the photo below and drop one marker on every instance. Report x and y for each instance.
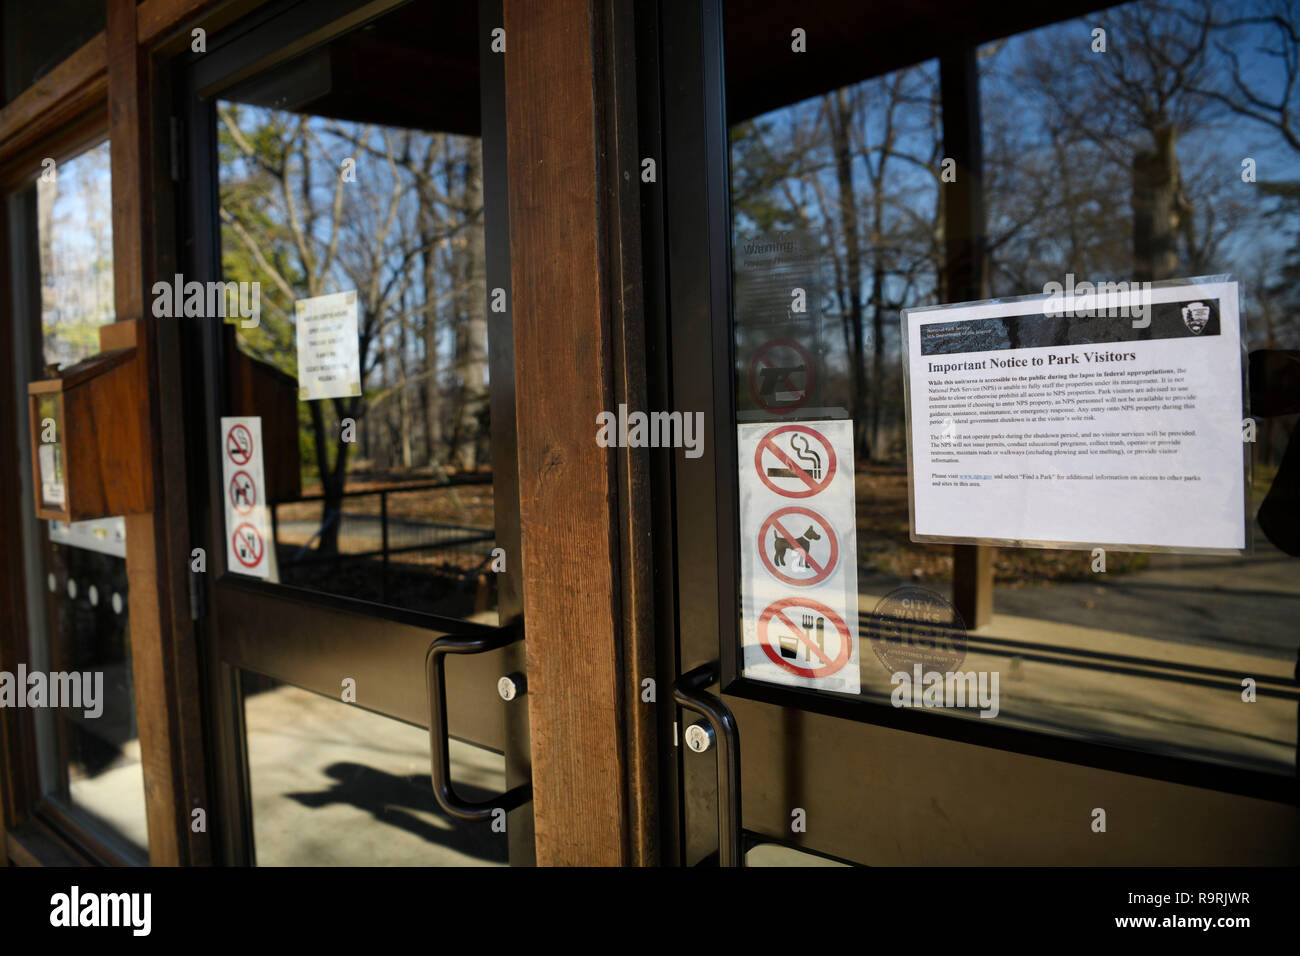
(564, 378)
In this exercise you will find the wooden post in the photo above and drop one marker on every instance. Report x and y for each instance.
(569, 329)
(162, 646)
(965, 276)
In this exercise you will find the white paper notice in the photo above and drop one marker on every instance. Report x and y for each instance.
(1080, 421)
(248, 536)
(798, 555)
(50, 459)
(329, 364)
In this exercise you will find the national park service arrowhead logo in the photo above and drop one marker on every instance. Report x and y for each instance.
(1196, 316)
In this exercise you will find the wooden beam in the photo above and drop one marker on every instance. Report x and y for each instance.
(162, 642)
(72, 87)
(81, 81)
(166, 24)
(567, 483)
(128, 106)
(34, 844)
(156, 18)
(21, 168)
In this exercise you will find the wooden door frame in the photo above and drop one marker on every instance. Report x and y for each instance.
(575, 235)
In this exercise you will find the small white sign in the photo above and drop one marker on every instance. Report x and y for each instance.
(1080, 421)
(798, 555)
(329, 364)
(248, 528)
(105, 535)
(50, 459)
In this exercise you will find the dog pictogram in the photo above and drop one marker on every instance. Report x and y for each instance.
(801, 560)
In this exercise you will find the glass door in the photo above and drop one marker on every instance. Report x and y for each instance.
(89, 761)
(354, 434)
(833, 177)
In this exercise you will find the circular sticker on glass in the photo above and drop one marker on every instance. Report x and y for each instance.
(912, 625)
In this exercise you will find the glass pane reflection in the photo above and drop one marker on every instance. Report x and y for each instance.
(1127, 165)
(333, 785)
(99, 757)
(379, 488)
(90, 764)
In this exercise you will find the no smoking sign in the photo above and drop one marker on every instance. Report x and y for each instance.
(239, 444)
(795, 461)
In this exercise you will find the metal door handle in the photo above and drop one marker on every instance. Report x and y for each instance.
(689, 693)
(439, 742)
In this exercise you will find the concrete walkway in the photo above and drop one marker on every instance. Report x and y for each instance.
(334, 785)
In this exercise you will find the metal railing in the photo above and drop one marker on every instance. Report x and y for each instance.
(395, 537)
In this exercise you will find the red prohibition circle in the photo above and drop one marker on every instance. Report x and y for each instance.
(237, 450)
(768, 443)
(236, 541)
(774, 654)
(252, 489)
(772, 524)
(810, 375)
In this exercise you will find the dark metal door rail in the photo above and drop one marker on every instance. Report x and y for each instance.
(439, 742)
(689, 693)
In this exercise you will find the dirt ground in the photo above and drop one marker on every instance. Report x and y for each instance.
(885, 548)
(882, 522)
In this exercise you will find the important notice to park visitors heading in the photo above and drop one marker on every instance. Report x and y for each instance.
(1080, 420)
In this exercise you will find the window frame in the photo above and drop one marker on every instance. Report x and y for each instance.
(43, 819)
(698, 218)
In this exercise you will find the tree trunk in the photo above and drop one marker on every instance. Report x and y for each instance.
(404, 392)
(474, 358)
(876, 448)
(840, 120)
(1156, 207)
(431, 400)
(331, 496)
